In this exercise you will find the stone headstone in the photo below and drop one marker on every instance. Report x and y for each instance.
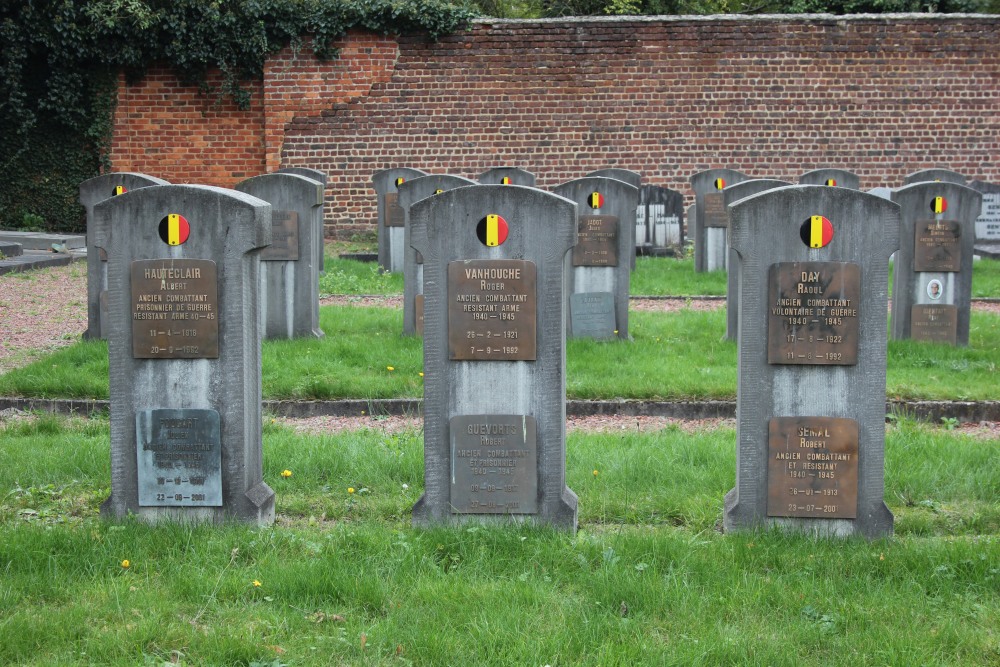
(708, 225)
(932, 272)
(289, 267)
(322, 177)
(494, 355)
(988, 222)
(184, 353)
(92, 192)
(633, 178)
(600, 261)
(840, 178)
(810, 405)
(507, 176)
(413, 264)
(732, 194)
(391, 219)
(940, 175)
(659, 220)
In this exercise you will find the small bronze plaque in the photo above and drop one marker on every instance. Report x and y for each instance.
(812, 467)
(284, 238)
(175, 309)
(937, 246)
(491, 310)
(813, 313)
(179, 457)
(394, 214)
(494, 464)
(597, 243)
(715, 210)
(935, 324)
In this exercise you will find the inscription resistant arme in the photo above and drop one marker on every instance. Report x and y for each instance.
(597, 243)
(812, 467)
(175, 306)
(494, 464)
(813, 313)
(937, 245)
(491, 310)
(179, 457)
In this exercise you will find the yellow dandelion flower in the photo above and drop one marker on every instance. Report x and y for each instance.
(881, 556)
(350, 489)
(126, 564)
(595, 473)
(390, 368)
(286, 473)
(256, 583)
(421, 373)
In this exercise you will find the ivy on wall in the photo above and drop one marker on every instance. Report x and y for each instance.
(61, 58)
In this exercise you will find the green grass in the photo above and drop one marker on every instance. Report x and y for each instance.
(668, 276)
(679, 355)
(344, 579)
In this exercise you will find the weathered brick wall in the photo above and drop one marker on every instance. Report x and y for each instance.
(772, 96)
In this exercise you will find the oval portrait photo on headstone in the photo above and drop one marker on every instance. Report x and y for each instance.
(934, 289)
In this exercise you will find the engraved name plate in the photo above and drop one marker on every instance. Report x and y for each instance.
(179, 457)
(813, 313)
(936, 324)
(175, 309)
(491, 310)
(715, 210)
(394, 214)
(284, 238)
(494, 463)
(812, 467)
(937, 246)
(597, 243)
(592, 314)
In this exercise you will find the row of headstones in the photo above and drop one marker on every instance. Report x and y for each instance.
(932, 288)
(292, 262)
(186, 419)
(597, 272)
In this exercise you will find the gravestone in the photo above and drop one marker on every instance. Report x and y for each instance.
(932, 272)
(289, 268)
(988, 222)
(632, 178)
(810, 405)
(391, 220)
(731, 195)
(600, 261)
(413, 264)
(708, 225)
(93, 191)
(840, 178)
(659, 220)
(494, 355)
(507, 176)
(322, 177)
(184, 353)
(940, 175)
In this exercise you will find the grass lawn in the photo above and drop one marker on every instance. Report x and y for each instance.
(344, 580)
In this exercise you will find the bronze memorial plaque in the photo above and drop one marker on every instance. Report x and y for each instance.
(936, 324)
(494, 463)
(491, 310)
(179, 457)
(394, 215)
(284, 237)
(597, 243)
(175, 309)
(812, 467)
(813, 313)
(715, 210)
(937, 246)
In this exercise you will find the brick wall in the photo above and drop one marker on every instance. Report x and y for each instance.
(771, 96)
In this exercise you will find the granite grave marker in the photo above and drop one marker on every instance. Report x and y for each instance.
(839, 178)
(938, 175)
(708, 225)
(391, 219)
(988, 222)
(507, 176)
(322, 177)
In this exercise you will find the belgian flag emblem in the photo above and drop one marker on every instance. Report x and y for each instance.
(505, 180)
(119, 190)
(720, 183)
(596, 200)
(438, 191)
(817, 232)
(492, 230)
(400, 181)
(174, 229)
(939, 205)
(832, 182)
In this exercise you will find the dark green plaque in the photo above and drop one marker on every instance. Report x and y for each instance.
(813, 313)
(494, 463)
(175, 309)
(812, 467)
